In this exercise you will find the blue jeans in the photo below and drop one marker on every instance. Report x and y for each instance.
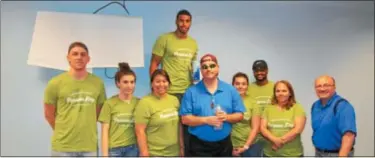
(74, 154)
(255, 150)
(124, 151)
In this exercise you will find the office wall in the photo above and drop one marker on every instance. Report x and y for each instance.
(299, 40)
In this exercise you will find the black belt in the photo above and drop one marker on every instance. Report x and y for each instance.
(330, 151)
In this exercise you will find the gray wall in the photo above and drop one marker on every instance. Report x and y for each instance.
(300, 41)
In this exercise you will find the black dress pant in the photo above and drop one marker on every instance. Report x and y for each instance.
(201, 148)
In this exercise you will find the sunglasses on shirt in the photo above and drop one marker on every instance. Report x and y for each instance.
(205, 67)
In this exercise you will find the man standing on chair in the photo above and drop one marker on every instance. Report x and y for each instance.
(176, 51)
(72, 101)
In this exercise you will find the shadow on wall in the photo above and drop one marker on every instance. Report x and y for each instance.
(46, 74)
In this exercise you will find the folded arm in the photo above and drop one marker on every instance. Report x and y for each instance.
(299, 125)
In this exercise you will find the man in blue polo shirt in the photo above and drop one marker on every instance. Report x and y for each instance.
(210, 108)
(333, 121)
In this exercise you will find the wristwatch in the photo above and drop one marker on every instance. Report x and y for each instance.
(246, 147)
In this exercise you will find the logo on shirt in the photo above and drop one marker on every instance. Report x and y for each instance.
(80, 99)
(183, 52)
(280, 124)
(170, 114)
(263, 100)
(124, 119)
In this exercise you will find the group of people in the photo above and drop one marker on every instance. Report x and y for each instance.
(180, 118)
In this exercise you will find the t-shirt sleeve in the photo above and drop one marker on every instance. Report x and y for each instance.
(186, 107)
(105, 113)
(142, 112)
(300, 112)
(102, 95)
(346, 117)
(159, 46)
(237, 102)
(50, 93)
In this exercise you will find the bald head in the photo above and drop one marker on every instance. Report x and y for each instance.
(325, 78)
(325, 87)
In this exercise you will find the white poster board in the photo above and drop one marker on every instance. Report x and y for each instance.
(110, 39)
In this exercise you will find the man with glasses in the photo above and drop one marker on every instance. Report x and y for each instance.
(333, 121)
(261, 91)
(209, 108)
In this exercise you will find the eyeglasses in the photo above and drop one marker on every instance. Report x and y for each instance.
(324, 86)
(205, 67)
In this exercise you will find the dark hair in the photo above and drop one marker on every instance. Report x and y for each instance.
(183, 12)
(124, 70)
(292, 97)
(240, 74)
(160, 72)
(78, 44)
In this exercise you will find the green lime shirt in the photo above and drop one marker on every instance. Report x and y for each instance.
(241, 130)
(280, 122)
(76, 102)
(162, 120)
(119, 115)
(262, 96)
(177, 57)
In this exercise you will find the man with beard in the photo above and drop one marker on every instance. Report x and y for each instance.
(176, 51)
(210, 108)
(333, 121)
(261, 91)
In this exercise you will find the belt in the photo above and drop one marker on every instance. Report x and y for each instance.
(330, 151)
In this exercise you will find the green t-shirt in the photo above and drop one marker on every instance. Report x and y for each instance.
(241, 130)
(280, 122)
(161, 117)
(119, 115)
(76, 103)
(177, 57)
(262, 96)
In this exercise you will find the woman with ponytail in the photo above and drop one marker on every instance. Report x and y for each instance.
(116, 116)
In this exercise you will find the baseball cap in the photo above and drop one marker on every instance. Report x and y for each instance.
(211, 58)
(260, 65)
